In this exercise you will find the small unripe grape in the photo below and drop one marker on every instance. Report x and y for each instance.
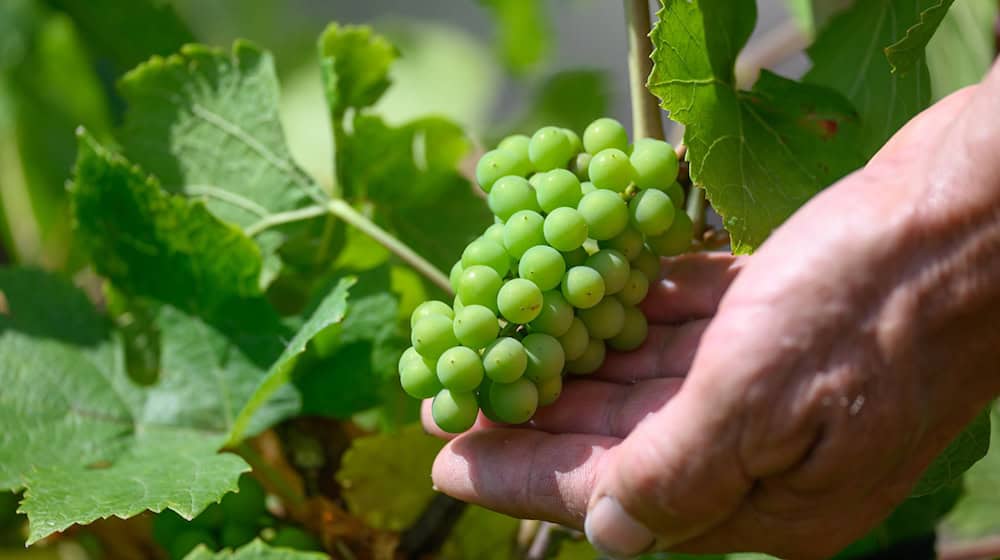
(635, 289)
(460, 369)
(479, 285)
(652, 212)
(494, 233)
(549, 148)
(649, 264)
(519, 301)
(487, 253)
(523, 231)
(574, 341)
(565, 229)
(655, 163)
(604, 320)
(587, 187)
(514, 403)
(494, 165)
(576, 257)
(628, 242)
(556, 315)
(605, 213)
(590, 360)
(611, 169)
(574, 140)
(605, 133)
(455, 275)
(454, 412)
(674, 241)
(543, 265)
(613, 268)
(432, 335)
(510, 195)
(558, 188)
(583, 287)
(505, 360)
(517, 147)
(418, 375)
(545, 357)
(633, 332)
(580, 166)
(676, 193)
(432, 307)
(549, 390)
(476, 326)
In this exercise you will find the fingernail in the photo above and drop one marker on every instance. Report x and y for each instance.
(613, 532)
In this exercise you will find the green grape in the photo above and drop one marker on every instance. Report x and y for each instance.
(543, 265)
(558, 188)
(590, 360)
(575, 340)
(611, 169)
(635, 289)
(167, 525)
(549, 148)
(655, 163)
(605, 133)
(235, 535)
(523, 231)
(487, 253)
(476, 326)
(188, 541)
(574, 140)
(545, 357)
(556, 315)
(520, 301)
(514, 403)
(652, 212)
(479, 285)
(549, 390)
(249, 504)
(212, 518)
(648, 263)
(587, 187)
(604, 320)
(633, 332)
(431, 307)
(296, 539)
(418, 375)
(517, 147)
(454, 412)
(565, 229)
(494, 233)
(457, 304)
(583, 287)
(505, 360)
(579, 166)
(536, 179)
(483, 400)
(605, 213)
(460, 369)
(674, 241)
(628, 243)
(455, 275)
(432, 335)
(510, 195)
(494, 165)
(676, 193)
(576, 257)
(613, 268)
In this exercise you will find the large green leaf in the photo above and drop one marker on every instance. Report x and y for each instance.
(905, 54)
(482, 534)
(978, 512)
(967, 29)
(970, 446)
(355, 64)
(256, 550)
(760, 154)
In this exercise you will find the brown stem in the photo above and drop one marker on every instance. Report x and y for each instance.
(432, 529)
(646, 121)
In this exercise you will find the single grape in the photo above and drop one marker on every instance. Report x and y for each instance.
(476, 326)
(523, 231)
(510, 195)
(605, 133)
(455, 275)
(613, 268)
(549, 390)
(487, 253)
(454, 412)
(432, 335)
(604, 320)
(418, 375)
(536, 179)
(549, 148)
(430, 308)
(587, 187)
(648, 263)
(611, 169)
(505, 360)
(674, 241)
(575, 340)
(558, 188)
(494, 233)
(651, 211)
(583, 287)
(635, 289)
(676, 193)
(235, 535)
(545, 357)
(633, 333)
(579, 166)
(655, 163)
(296, 539)
(565, 229)
(576, 257)
(479, 285)
(516, 146)
(460, 369)
(574, 140)
(605, 213)
(188, 541)
(628, 243)
(483, 400)
(520, 301)
(514, 403)
(494, 165)
(590, 360)
(556, 315)
(543, 265)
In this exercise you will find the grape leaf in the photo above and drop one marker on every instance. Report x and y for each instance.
(482, 534)
(967, 29)
(355, 63)
(759, 154)
(152, 243)
(907, 52)
(523, 34)
(256, 550)
(978, 512)
(970, 446)
(386, 478)
(849, 55)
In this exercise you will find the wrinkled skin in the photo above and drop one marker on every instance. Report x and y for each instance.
(784, 402)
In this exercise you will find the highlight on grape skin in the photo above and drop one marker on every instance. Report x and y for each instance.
(544, 292)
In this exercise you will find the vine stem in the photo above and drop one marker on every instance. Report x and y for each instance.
(646, 121)
(341, 209)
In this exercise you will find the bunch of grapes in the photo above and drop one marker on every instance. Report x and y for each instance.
(545, 290)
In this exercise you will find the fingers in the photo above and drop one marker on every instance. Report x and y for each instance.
(691, 287)
(606, 409)
(667, 352)
(523, 473)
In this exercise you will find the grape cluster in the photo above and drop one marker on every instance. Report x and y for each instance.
(556, 280)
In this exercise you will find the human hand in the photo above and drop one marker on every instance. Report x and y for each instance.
(783, 403)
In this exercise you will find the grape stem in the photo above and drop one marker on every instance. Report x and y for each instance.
(646, 121)
(339, 208)
(696, 208)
